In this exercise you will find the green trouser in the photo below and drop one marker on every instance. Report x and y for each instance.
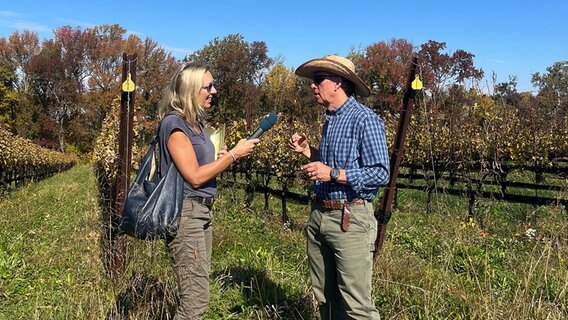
(341, 263)
(190, 253)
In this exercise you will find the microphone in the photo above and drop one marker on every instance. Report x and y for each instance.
(265, 124)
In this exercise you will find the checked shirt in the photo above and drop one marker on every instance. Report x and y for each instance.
(353, 138)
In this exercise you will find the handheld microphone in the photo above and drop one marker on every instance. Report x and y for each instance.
(265, 124)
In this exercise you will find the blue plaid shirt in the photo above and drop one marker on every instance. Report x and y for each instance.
(353, 138)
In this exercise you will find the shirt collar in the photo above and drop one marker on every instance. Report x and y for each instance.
(349, 102)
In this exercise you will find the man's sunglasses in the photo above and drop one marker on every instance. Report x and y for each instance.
(208, 87)
(319, 78)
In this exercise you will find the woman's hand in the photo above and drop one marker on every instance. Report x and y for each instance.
(244, 147)
(223, 152)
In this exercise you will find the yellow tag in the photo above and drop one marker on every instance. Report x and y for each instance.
(417, 84)
(128, 85)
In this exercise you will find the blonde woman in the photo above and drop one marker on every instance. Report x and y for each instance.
(183, 141)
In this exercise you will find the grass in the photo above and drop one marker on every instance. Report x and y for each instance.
(508, 261)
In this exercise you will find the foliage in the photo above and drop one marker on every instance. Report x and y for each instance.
(8, 97)
(106, 161)
(57, 93)
(553, 85)
(69, 83)
(285, 93)
(23, 161)
(384, 67)
(238, 68)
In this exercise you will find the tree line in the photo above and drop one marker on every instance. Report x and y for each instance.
(56, 92)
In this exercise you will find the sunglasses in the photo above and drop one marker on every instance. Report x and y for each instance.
(208, 87)
(318, 79)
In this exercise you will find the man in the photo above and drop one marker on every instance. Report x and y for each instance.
(348, 168)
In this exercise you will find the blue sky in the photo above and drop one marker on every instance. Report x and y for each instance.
(506, 37)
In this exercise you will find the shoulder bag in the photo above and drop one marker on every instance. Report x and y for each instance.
(152, 207)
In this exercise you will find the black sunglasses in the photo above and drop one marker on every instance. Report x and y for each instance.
(208, 87)
(318, 79)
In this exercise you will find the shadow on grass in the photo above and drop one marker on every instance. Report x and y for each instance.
(144, 297)
(263, 295)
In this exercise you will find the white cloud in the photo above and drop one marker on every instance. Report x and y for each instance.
(179, 53)
(78, 23)
(14, 20)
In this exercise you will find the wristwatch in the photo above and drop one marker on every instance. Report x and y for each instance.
(334, 174)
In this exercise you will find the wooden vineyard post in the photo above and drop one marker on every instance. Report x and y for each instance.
(383, 212)
(126, 131)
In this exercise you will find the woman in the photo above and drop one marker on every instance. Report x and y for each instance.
(182, 140)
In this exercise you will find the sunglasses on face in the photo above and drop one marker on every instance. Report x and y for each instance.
(318, 79)
(208, 87)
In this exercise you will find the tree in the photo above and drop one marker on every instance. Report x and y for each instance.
(15, 55)
(23, 47)
(8, 98)
(279, 89)
(384, 67)
(446, 68)
(155, 67)
(553, 89)
(506, 92)
(59, 73)
(238, 68)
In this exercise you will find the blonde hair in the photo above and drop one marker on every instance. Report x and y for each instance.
(182, 94)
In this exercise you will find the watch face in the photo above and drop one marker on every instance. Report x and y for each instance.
(334, 174)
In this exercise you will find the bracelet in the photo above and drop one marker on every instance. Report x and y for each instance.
(233, 155)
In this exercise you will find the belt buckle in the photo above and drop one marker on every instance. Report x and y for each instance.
(204, 201)
(356, 202)
(207, 201)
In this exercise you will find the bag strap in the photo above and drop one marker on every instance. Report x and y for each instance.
(155, 140)
(150, 163)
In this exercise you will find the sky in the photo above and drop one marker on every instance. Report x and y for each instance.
(508, 38)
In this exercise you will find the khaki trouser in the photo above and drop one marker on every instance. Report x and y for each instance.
(341, 263)
(190, 253)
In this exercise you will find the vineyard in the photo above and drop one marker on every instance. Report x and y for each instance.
(476, 149)
(466, 160)
(23, 161)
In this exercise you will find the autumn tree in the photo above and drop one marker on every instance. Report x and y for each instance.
(104, 61)
(447, 69)
(553, 89)
(8, 96)
(22, 48)
(384, 67)
(238, 68)
(551, 108)
(58, 92)
(59, 72)
(15, 55)
(155, 66)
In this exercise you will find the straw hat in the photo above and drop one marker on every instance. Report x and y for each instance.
(337, 65)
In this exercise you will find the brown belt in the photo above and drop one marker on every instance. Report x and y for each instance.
(338, 204)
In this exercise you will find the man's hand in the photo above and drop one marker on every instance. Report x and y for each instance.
(317, 171)
(299, 143)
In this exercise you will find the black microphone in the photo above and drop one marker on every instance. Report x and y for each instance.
(265, 124)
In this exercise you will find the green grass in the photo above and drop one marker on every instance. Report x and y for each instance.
(508, 261)
(49, 251)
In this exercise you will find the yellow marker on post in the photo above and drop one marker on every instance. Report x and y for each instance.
(128, 85)
(417, 84)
